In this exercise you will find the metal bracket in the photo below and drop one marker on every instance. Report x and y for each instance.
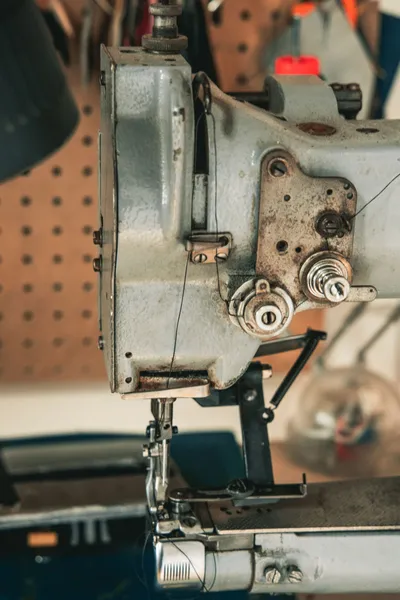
(208, 247)
(258, 486)
(301, 205)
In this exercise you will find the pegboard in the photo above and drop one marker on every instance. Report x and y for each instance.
(48, 296)
(48, 290)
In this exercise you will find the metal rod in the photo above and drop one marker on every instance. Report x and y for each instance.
(314, 337)
(256, 448)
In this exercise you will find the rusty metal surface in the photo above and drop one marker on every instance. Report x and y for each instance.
(337, 506)
(290, 206)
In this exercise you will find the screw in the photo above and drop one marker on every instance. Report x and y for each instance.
(146, 452)
(250, 395)
(268, 318)
(336, 289)
(97, 263)
(100, 342)
(222, 257)
(278, 168)
(294, 575)
(329, 224)
(272, 575)
(200, 258)
(97, 237)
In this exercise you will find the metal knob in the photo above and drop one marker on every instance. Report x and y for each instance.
(326, 276)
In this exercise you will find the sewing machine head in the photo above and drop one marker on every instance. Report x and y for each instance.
(220, 221)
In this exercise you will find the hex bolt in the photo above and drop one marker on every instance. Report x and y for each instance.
(97, 264)
(145, 452)
(294, 575)
(272, 575)
(199, 258)
(175, 429)
(100, 342)
(250, 395)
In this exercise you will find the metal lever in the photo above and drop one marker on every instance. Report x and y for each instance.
(312, 339)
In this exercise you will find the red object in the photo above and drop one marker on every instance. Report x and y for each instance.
(351, 9)
(303, 9)
(292, 65)
(145, 26)
(344, 453)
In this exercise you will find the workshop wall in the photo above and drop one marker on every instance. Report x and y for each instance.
(48, 304)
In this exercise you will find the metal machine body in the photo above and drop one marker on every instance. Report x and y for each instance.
(218, 222)
(153, 205)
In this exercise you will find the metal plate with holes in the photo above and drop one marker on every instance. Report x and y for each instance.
(334, 506)
(291, 201)
(48, 305)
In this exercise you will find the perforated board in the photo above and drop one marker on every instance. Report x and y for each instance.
(48, 300)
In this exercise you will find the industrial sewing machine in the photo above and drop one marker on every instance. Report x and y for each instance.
(218, 222)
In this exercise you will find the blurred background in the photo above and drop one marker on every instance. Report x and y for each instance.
(52, 377)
